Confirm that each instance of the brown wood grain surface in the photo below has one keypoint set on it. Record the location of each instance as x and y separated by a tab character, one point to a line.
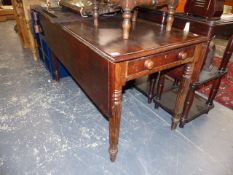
146	38
101	61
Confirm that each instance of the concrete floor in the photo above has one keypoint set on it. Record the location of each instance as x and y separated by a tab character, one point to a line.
49	128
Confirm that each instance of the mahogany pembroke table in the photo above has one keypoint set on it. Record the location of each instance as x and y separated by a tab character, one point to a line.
101	61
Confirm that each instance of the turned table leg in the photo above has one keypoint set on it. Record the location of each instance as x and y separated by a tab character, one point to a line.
114	125
182	92
116	72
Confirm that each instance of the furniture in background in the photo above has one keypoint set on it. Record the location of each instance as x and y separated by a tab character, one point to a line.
197	25
6	13
128	6
209	9
23	27
101	61
214	76
43	50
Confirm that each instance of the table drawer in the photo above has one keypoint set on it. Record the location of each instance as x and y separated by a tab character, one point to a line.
154	62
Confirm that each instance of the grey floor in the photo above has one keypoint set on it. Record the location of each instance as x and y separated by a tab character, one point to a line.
50	128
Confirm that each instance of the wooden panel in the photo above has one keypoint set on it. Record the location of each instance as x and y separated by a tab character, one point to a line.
88	68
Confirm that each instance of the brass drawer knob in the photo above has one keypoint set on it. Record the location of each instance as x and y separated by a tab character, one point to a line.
149	64
182	55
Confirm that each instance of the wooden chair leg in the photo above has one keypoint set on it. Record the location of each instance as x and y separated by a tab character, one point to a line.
160	87
187	105
213	91
152	81
114	125
127	15
135	15
170	18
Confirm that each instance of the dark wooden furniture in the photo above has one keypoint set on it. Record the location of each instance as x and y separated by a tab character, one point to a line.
209	9
101	61
213	76
199	26
97	7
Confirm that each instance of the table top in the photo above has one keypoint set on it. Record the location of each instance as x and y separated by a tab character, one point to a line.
146	38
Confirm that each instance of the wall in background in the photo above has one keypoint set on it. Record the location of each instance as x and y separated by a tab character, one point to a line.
229	2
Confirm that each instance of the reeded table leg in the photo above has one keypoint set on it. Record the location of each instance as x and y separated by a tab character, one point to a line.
114	125
183	89
116	72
